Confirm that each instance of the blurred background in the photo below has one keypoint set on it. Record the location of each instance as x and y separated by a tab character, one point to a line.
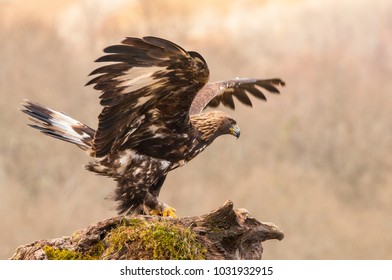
316	160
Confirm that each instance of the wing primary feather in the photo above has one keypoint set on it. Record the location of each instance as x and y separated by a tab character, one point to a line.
168	46
275	81
227	99
125	49
268	87
241	95
254	91
116	67
114	58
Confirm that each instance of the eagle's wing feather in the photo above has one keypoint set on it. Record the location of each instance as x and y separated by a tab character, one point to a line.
148	74
222	92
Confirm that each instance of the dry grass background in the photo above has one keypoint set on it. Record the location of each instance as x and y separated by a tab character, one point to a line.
316	160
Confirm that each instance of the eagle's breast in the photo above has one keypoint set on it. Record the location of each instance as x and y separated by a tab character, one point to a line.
130	163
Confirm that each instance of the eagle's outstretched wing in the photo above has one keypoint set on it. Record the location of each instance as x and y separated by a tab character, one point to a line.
216	93
148	74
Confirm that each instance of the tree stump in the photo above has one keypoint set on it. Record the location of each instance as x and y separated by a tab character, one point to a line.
222	234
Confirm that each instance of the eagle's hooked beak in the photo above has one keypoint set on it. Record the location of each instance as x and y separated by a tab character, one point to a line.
235	130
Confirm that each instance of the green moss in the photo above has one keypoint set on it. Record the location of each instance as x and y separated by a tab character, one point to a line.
138	239
62	254
97	250
94	253
160	240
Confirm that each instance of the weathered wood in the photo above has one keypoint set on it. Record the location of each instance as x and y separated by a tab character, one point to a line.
222	234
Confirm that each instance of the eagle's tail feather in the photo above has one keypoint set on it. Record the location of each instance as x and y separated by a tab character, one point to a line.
59	125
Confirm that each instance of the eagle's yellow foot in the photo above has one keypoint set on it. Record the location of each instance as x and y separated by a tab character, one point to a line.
155	213
167	212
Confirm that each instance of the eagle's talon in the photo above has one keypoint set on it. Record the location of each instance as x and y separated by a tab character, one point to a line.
166	212
155	213
169	212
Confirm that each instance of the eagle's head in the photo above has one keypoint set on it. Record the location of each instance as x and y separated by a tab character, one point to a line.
215	123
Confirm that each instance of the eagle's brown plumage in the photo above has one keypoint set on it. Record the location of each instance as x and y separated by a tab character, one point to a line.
153	96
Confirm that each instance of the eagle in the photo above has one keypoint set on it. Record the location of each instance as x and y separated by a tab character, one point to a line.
153	94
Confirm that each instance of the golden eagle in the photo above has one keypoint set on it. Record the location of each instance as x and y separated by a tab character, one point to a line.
153	96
